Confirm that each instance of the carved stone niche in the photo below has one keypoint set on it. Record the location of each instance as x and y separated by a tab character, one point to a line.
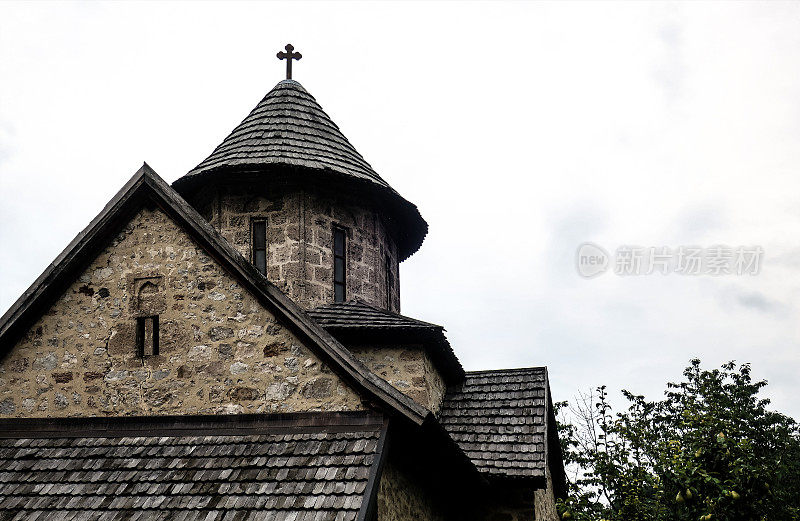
148	295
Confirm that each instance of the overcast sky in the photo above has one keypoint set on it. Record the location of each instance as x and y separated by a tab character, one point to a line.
520	130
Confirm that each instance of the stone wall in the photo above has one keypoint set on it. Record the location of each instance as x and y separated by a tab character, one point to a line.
511	503
514	503
401	499
220	350
546	502
300	227
408	368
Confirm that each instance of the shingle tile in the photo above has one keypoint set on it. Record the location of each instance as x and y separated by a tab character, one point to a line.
497	418
153	477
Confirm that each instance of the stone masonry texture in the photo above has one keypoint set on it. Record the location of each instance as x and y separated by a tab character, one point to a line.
407	368
401	499
300	225
221	351
546	502
512	504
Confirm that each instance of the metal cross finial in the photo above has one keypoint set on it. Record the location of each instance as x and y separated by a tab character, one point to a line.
289	55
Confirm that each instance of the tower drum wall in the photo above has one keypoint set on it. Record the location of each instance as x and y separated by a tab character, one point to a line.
300	224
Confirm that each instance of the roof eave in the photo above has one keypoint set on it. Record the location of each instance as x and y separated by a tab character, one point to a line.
410	229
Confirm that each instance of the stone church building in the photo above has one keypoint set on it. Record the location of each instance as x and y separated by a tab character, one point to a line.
231	348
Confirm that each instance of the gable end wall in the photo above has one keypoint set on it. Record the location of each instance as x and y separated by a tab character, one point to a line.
221	351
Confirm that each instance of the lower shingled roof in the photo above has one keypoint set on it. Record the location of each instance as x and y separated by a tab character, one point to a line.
355	321
358	314
499	419
306	473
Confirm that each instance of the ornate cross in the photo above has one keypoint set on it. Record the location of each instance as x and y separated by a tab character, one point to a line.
289	55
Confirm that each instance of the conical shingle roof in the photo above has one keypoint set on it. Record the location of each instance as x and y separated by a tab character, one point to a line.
289	128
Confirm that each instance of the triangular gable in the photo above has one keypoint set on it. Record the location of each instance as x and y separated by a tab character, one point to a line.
146	188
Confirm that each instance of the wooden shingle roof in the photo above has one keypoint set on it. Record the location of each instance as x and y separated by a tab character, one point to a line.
357	314
500	420
211	471
358	322
288	128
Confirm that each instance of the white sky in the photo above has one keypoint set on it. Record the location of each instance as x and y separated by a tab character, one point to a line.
520	130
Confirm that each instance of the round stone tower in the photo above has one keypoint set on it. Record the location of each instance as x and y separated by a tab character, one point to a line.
290	192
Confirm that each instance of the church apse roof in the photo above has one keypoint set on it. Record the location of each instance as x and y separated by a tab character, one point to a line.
288	128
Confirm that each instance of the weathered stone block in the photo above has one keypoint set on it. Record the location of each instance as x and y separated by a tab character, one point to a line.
242	394
238	368
48	362
19	365
7	407
62	378
220	333
92	375
275	348
319	388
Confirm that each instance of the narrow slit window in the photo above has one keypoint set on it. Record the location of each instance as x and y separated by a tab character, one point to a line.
260	246
339	263
147	336
389	281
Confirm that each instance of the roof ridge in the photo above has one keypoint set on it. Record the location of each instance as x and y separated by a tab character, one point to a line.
507	371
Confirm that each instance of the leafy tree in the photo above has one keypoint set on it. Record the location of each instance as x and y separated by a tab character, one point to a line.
709	450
